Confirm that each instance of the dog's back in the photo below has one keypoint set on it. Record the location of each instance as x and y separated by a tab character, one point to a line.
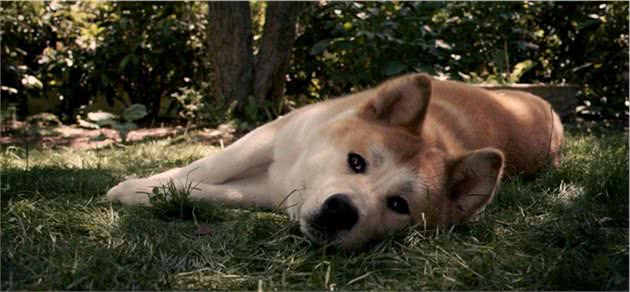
525	127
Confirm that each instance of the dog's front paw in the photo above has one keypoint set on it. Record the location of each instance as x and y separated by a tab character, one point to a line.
130	192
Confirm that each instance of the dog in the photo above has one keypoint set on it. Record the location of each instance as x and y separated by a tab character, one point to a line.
352	170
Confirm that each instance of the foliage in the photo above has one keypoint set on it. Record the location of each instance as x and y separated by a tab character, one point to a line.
43	120
345	46
76	53
194	108
96	120
566	229
151	62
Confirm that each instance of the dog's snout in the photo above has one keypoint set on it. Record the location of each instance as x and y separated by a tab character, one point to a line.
338	213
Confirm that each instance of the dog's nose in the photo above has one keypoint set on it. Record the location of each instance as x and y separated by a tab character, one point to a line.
337	213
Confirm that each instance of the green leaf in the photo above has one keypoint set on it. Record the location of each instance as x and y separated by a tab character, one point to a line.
123	129
320	46
135	112
368	34
102	118
600	263
10	90
31	82
442	44
394	67
128	126
520	69
124	61
104	79
87	124
588	23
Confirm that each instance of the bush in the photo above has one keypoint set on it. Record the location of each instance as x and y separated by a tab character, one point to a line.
346	46
74	53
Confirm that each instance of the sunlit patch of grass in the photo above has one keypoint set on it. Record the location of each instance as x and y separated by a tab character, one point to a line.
565	229
171	201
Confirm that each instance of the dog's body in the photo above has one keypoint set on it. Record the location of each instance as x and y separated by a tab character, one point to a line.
412	151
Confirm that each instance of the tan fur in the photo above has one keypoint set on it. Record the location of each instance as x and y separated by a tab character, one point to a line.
442	146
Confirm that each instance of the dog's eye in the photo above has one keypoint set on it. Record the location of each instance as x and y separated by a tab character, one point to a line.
398	205
356	162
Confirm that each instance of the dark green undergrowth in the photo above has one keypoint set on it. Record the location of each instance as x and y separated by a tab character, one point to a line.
566	229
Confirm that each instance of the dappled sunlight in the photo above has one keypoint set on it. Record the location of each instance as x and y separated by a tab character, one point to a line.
519	107
101	222
569	191
206	278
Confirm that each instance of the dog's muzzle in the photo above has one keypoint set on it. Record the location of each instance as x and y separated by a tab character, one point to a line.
336	215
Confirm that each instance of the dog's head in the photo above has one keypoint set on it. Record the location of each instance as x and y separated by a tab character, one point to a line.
371	173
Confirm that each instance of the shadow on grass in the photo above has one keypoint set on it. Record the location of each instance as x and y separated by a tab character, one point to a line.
584	240
230	250
51	182
575	217
586	230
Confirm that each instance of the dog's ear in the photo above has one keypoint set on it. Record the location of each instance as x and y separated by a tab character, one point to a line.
472	182
401	101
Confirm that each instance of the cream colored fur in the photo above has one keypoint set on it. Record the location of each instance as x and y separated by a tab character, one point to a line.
440	145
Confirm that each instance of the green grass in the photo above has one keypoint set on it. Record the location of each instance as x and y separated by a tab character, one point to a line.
565	229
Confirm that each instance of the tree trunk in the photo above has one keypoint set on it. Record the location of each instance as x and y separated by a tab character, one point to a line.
275	49
230	28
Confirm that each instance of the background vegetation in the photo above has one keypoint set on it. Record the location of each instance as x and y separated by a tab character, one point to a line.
78	56
566	229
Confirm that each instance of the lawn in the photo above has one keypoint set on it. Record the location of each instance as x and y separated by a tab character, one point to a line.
565	229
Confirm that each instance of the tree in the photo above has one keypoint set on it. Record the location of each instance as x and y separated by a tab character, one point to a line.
238	74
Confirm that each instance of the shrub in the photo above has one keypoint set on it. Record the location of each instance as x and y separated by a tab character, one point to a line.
345	46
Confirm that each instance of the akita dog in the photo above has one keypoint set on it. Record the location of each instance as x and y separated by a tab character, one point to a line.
414	150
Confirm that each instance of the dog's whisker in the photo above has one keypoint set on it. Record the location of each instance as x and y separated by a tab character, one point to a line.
284	200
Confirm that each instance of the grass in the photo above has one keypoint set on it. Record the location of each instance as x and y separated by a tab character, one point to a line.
566	229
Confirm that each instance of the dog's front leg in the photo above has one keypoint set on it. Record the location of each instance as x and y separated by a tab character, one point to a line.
251	151
247	157
251	191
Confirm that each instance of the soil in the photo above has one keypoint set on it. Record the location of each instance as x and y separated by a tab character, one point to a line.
55	136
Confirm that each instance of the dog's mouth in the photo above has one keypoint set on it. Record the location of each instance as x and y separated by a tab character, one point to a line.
336	217
314	234
318	235
340	241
